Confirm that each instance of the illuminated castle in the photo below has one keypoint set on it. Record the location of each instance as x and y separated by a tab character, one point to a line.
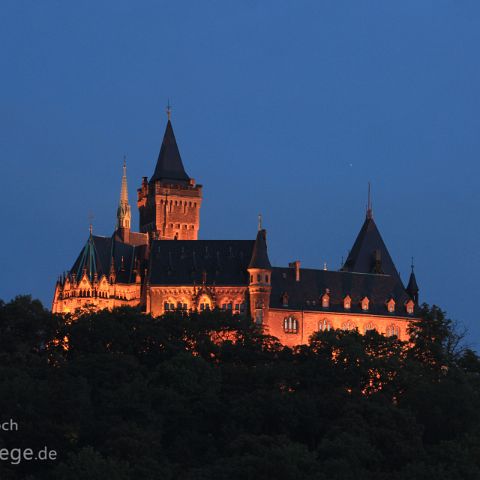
165	267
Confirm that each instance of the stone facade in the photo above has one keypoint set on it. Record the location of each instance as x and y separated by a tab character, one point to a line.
165	267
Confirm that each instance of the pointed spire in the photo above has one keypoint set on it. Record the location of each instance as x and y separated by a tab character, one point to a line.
124	189
124	213
369	204
259	221
412	287
169	166
260	255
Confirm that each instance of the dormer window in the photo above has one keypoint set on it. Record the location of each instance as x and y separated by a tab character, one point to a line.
410	305
285	299
391	305
347	303
365	303
326	300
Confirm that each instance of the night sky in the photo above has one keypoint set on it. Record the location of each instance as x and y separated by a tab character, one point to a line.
283	108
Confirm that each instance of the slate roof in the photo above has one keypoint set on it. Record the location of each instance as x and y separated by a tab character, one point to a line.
260	255
367	246
169	166
412	287
102	250
306	294
182	262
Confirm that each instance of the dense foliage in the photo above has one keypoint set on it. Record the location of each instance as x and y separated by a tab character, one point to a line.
120	395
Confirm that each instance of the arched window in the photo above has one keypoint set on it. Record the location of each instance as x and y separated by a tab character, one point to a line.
347	303
393	331
348	325
290	324
285	299
369	326
205	303
324	325
410	307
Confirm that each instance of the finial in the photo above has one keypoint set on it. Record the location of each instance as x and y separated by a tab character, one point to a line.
90	218
259	221
369	204
169	110
412	265
124	163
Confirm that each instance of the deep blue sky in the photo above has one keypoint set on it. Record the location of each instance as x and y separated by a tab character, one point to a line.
284	108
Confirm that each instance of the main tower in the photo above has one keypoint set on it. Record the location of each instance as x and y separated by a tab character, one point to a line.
169	203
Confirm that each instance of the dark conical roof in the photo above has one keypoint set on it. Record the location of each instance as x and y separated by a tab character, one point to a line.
260	255
88	260
412	287
169	164
369	253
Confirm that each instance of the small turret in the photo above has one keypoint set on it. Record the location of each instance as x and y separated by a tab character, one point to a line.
260	272
412	287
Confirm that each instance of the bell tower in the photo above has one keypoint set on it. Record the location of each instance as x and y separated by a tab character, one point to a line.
169	203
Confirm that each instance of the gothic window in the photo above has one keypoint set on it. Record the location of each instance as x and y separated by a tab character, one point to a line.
290	324
369	326
169	306
347	303
251	278
348	325
324	325
205	303
259	316
259	278
266	278
393	331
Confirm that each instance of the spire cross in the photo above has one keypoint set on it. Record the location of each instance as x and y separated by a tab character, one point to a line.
124	163
412	265
169	110
369	203
259	221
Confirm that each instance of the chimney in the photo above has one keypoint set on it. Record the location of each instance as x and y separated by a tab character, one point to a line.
296	266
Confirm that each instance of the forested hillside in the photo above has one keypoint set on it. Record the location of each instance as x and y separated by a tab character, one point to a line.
120	395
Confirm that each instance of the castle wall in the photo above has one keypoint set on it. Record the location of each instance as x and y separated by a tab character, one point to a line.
309	322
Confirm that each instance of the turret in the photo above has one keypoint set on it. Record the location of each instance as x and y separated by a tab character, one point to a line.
412	287
124	214
260	276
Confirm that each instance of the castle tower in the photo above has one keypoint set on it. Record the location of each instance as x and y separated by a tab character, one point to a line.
169	204
260	272
124	214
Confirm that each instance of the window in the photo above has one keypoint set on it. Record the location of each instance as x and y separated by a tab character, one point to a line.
347	303
410	307
369	326
266	278
169	306
348	325
259	316
325	300
259	278
324	325
393	331
365	303
391	305
251	278
285	299
290	324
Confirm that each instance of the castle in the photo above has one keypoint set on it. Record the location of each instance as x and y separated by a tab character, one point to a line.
164	267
